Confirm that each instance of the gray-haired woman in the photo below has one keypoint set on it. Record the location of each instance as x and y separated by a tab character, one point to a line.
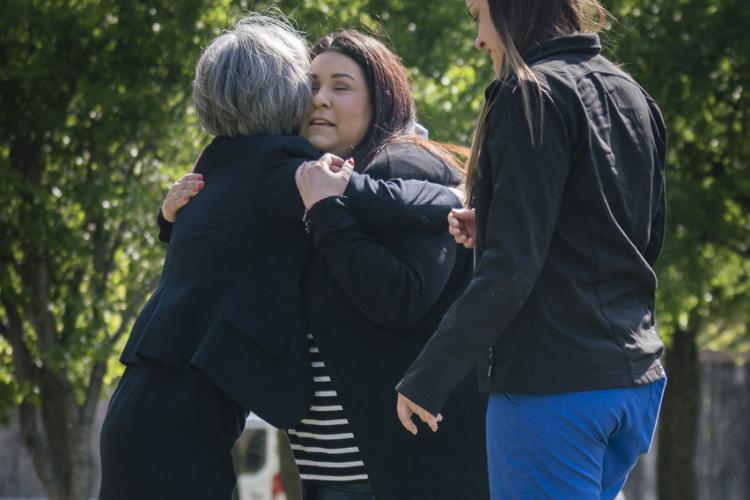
223	334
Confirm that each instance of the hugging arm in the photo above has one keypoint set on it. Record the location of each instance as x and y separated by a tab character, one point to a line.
377	204
400	203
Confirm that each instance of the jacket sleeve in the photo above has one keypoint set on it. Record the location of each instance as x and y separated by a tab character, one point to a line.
400	203
165	227
658	223
527	187
393	284
658	226
377	204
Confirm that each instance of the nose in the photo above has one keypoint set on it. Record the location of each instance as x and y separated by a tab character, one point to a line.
321	99
479	43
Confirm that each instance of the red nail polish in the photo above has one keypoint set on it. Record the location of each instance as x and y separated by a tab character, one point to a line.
187	199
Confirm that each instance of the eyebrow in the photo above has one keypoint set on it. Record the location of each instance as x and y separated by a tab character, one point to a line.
314	76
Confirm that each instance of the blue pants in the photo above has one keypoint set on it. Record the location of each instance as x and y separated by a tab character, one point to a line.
579	445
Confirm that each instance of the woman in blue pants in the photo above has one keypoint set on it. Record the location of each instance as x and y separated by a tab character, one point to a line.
566	211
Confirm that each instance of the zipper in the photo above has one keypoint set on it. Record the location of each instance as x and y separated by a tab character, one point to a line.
491	360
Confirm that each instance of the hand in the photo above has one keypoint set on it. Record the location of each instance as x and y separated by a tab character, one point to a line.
180	193
322	179
462	224
406	408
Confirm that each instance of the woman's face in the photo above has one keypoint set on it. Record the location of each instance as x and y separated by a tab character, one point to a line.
340	113
487	38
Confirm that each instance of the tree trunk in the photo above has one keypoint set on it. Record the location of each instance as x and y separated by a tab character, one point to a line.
81	473
77	483
678	422
59	441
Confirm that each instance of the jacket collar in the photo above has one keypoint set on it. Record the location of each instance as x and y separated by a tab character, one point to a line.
578	43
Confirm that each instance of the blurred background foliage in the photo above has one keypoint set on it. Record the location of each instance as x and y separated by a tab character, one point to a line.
96	122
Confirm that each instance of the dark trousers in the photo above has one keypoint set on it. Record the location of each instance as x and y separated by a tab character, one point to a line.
337	491
168	435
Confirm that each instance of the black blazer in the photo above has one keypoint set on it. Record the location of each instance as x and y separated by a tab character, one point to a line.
229	302
373	299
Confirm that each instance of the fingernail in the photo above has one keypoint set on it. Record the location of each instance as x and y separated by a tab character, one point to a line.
187	199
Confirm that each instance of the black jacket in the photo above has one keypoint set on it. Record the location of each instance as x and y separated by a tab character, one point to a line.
568	231
373	298
229	300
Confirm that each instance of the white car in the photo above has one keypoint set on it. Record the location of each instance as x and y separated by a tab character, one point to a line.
256	460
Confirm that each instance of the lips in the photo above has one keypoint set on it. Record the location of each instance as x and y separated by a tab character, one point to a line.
321	122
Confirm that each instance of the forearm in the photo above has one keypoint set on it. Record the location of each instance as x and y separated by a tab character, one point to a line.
399	203
470	326
393	284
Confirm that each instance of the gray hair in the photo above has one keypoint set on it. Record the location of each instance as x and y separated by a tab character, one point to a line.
253	79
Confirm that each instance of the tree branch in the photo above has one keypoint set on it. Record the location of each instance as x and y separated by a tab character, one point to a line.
35	443
24	367
72	306
46	333
93	393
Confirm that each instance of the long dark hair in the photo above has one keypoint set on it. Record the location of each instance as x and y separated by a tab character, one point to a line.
522	25
394	112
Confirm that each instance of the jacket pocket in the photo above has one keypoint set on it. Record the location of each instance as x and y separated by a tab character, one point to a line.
258	330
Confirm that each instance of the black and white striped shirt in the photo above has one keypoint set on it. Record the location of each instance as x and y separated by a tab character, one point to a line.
323	443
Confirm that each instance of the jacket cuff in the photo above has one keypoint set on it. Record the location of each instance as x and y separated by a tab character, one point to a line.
328	212
430	401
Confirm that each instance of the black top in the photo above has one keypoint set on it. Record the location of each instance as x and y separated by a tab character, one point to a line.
229	300
372	300
568	231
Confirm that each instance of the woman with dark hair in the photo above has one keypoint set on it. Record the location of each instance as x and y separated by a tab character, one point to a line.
373	298
566	177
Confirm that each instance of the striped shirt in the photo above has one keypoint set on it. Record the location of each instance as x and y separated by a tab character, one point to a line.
323	443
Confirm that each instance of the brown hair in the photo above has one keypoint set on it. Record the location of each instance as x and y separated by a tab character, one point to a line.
522	25
394	112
